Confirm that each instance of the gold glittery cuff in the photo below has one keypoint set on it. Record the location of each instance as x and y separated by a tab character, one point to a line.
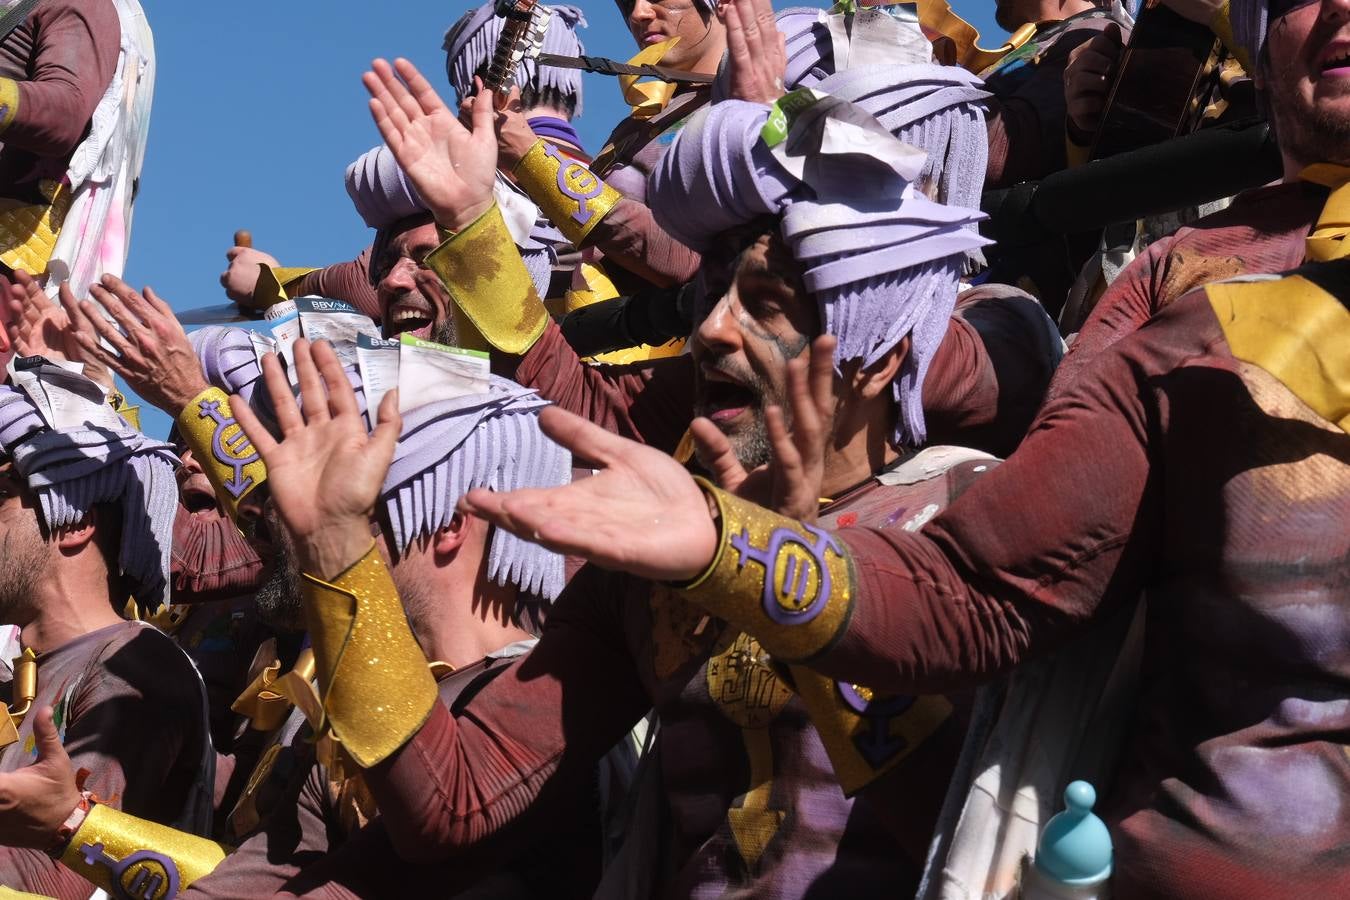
788	584
373	678
568	193
130	857
9	102
230	460
865	733
494	295
274	284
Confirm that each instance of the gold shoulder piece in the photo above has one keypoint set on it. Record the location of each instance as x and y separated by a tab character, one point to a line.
493	292
568	193
131	857
1297	332
373	678
25	691
936	17
788	584
230	460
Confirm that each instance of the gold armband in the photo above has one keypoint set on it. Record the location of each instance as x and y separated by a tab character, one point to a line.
1295	330
788	584
864	733
493	291
274	284
9	102
373	678
131	857
230	460
568	193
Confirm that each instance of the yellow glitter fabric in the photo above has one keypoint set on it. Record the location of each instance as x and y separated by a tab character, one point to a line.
555	184
483	272
131	857
373	679
809	597
209	428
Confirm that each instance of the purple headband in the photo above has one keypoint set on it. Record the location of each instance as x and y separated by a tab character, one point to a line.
470	43
881	259
73	470
490	440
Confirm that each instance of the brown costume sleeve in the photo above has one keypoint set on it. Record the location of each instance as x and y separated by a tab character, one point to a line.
630	237
75	48
349	281
651	402
1034	548
528	741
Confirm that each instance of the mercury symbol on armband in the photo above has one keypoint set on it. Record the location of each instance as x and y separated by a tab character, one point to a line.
796	577
576	182
143	875
234	452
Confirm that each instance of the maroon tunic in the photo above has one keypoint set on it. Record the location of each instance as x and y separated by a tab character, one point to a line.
349	281
1171	470
983	387
738	754
63	57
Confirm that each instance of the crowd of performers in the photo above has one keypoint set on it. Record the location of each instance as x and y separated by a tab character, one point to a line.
727	512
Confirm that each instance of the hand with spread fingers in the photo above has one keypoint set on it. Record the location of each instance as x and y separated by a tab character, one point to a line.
35	801
790	484
756	51
38	327
326	471
642	514
452	167
149	347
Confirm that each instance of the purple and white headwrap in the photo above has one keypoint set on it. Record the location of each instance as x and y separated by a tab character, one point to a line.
487	440
72	470
384	196
881	259
470	43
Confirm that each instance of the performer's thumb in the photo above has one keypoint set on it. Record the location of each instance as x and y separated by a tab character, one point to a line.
47	739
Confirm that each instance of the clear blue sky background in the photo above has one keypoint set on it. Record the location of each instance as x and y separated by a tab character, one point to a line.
259	108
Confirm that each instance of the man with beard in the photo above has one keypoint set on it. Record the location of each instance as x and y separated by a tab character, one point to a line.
1295	52
87	514
985	376
472	597
754	802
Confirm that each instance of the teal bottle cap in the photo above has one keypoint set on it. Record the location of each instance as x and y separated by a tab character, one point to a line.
1075	845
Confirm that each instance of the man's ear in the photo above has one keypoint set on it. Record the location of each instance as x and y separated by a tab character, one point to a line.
452	536
871	381
73	538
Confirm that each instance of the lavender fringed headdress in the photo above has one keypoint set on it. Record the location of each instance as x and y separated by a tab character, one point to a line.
73	470
881	259
383	196
470	43
488	440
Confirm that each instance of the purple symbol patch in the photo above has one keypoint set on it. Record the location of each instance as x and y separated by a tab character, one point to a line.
875	742
588	187
785	597
153	876
235	452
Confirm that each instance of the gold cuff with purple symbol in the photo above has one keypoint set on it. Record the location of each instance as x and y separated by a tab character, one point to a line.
494	295
788	584
567	192
231	462
374	682
9	102
131	857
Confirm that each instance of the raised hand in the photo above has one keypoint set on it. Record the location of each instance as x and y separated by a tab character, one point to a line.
36	800
151	351
38	327
452	167
326	472
756	51
642	514
790	483
240	277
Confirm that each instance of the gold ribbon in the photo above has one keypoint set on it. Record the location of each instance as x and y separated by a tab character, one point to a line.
1327	240
25	691
648	97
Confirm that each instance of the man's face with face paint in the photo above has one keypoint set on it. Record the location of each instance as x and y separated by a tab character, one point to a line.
702	36
1306	75
412	298
754	317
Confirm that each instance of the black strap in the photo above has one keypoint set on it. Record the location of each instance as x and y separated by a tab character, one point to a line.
17	15
602	66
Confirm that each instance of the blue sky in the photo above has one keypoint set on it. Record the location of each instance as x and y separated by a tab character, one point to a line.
259	108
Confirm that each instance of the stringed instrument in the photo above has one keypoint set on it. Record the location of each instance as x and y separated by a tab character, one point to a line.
522	36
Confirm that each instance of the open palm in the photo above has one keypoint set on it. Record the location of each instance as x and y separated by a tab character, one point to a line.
452	167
